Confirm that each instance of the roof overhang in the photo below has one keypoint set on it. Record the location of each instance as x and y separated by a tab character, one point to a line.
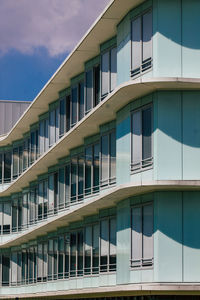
103	29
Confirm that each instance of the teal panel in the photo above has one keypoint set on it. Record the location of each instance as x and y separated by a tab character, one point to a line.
123	50
167	38
123	241
168	237
191	237
190	38
123	154
191	135
167	143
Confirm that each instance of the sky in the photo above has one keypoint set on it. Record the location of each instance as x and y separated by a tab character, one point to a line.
35	37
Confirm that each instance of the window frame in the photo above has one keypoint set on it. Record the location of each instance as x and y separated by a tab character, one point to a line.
140	70
108	50
142	265
141	167
109	181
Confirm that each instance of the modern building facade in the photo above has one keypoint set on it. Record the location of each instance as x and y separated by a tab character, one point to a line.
100	176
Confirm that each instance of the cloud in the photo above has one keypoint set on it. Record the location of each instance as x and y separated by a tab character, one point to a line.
57	25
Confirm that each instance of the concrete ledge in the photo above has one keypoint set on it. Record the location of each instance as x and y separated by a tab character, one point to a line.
112	291
89	125
90	206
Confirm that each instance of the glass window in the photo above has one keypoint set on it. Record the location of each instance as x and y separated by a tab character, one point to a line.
81	100
20	160
74	108
68	100
108	71
104	245
105	73
61	188
52	124
73	258
147	39
62	116
146	136
89	91
14	268
80	253
41	137
96	71
136	45
96	168
80	177
40	262
73	179
113	68
88	170
50	259
15	162
142	235
46	135
141	43
104	159
60	257
88	250
32	205
5	269
33	146
112	256
67	255
7	166
25	154
67	185
108	159
142	138
6	218
95	248
51	194
14	215
25	202
112	157
57	124
40	201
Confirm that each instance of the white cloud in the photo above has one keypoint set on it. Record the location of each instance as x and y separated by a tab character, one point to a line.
56	25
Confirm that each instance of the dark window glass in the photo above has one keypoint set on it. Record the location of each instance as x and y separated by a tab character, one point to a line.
67	185
20	160
7	166
80	253
5	269
81	100
62	116
96	169
61	188
105	73
96	85
15	162
89	88
73	260
88	170
68	113
74	107
146	136
73	179
80	177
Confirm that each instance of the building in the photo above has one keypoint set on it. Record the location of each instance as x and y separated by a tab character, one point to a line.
100	176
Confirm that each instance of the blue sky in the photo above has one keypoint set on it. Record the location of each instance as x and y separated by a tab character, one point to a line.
35	38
